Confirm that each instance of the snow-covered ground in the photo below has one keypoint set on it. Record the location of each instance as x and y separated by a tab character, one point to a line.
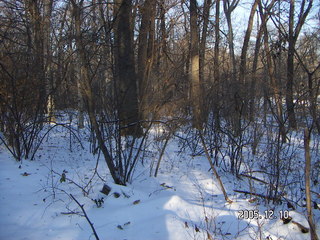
183	202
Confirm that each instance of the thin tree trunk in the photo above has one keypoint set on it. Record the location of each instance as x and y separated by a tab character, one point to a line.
228	9
236	94
274	85
245	44
243	58
307	134
312	91
47	8
254	73
292	39
216	71
290	69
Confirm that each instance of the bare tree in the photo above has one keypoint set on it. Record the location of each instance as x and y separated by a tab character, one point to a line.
86	91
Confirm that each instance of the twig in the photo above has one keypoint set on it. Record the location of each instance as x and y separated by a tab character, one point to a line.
254	194
253	178
86	193
86	216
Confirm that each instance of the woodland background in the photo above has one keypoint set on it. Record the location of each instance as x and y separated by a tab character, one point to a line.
234	76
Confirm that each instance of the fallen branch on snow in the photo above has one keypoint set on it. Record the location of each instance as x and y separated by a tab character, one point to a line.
86	216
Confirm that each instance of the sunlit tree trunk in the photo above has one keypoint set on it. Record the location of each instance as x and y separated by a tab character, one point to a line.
194	66
49	82
202	54
307	172
145	55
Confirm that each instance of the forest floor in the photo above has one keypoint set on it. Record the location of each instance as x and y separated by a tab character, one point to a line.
183	202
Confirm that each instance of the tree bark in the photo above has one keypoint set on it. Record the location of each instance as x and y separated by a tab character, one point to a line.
245	45
204	33
216	71
307	171
145	54
47	9
202	54
254	72
38	71
194	66
126	79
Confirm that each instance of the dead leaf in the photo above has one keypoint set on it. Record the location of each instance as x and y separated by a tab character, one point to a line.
252	200
25	174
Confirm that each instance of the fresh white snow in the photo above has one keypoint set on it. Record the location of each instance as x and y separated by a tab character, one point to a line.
183	202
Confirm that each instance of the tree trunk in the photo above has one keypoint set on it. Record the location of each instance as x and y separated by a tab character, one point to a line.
254	73
313	233
202	54
216	71
47	8
290	70
292	39
145	54
236	94
126	80
194	66
38	71
245	44
274	86
243	58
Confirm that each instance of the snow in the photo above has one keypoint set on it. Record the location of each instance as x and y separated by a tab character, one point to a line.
183	202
